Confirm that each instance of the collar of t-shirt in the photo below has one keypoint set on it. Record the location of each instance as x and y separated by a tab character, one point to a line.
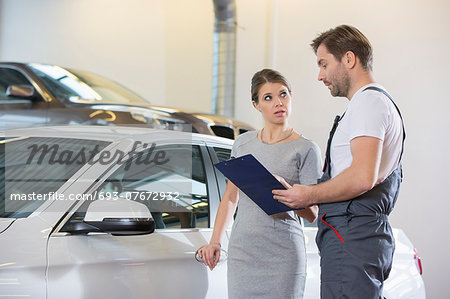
364	87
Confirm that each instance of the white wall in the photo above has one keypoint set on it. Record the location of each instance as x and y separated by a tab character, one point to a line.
188	48
152	47
162	50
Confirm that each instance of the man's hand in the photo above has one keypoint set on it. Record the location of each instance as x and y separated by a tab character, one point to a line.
299	196
360	177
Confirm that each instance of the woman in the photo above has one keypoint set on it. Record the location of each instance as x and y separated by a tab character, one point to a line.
266	254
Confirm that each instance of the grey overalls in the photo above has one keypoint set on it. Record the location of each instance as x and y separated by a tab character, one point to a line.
354	237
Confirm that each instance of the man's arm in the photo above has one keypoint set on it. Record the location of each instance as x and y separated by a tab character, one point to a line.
360	177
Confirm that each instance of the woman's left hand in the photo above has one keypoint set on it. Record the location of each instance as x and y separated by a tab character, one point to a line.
282	181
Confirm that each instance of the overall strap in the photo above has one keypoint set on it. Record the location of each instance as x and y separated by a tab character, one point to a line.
398	110
327	165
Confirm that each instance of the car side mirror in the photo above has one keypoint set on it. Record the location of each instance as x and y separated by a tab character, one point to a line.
20	91
117	217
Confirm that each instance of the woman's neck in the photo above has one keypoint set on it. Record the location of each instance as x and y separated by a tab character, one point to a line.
273	132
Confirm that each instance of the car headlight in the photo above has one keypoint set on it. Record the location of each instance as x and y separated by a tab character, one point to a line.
157	121
176	125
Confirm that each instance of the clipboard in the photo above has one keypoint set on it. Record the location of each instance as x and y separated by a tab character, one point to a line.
252	178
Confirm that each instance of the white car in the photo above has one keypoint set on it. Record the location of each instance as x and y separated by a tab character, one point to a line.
119	212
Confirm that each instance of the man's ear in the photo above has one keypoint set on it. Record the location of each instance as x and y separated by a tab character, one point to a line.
349	59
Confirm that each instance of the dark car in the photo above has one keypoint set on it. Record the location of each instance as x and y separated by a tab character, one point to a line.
41	94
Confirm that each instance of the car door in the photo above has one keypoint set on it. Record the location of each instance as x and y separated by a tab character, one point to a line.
157	265
26	183
19	111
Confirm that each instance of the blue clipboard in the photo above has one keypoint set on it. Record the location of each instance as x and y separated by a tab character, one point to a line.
252	178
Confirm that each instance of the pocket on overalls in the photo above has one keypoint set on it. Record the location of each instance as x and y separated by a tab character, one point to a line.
332	226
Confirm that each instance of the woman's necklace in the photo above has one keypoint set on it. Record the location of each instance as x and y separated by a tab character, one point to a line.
284	138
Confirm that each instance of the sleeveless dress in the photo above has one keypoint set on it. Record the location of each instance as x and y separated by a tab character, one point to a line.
266	254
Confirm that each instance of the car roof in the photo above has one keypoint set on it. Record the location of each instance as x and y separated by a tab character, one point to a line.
110	133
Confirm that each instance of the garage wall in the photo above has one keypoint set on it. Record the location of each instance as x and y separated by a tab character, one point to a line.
188	33
162	50
149	46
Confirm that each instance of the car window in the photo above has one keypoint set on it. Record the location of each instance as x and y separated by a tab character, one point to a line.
223	154
75	85
175	191
33	169
9	77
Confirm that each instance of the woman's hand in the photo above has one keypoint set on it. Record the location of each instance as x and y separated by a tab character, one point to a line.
282	181
210	254
309	213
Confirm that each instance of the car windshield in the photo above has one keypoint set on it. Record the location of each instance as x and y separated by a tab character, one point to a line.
81	86
33	168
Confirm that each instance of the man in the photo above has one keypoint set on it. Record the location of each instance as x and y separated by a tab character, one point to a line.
362	172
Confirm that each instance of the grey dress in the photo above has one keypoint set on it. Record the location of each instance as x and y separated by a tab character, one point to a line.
266	254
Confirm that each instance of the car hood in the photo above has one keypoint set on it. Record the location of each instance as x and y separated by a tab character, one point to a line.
128	108
186	115
207	117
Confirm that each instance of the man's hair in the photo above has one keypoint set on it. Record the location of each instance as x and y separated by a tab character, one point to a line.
342	39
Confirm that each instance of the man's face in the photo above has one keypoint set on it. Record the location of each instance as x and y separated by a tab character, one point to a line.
332	72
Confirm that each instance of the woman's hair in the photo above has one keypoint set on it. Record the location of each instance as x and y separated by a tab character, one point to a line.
264	76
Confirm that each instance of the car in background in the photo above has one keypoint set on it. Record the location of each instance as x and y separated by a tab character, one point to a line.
119	212
42	94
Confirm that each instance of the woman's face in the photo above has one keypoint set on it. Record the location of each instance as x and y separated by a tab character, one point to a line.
274	102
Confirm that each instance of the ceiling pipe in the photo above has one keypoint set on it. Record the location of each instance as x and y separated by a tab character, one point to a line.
224	57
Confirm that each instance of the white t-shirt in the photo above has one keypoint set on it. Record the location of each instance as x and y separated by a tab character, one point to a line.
369	113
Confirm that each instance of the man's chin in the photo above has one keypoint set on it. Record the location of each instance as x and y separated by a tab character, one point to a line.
337	94
334	93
